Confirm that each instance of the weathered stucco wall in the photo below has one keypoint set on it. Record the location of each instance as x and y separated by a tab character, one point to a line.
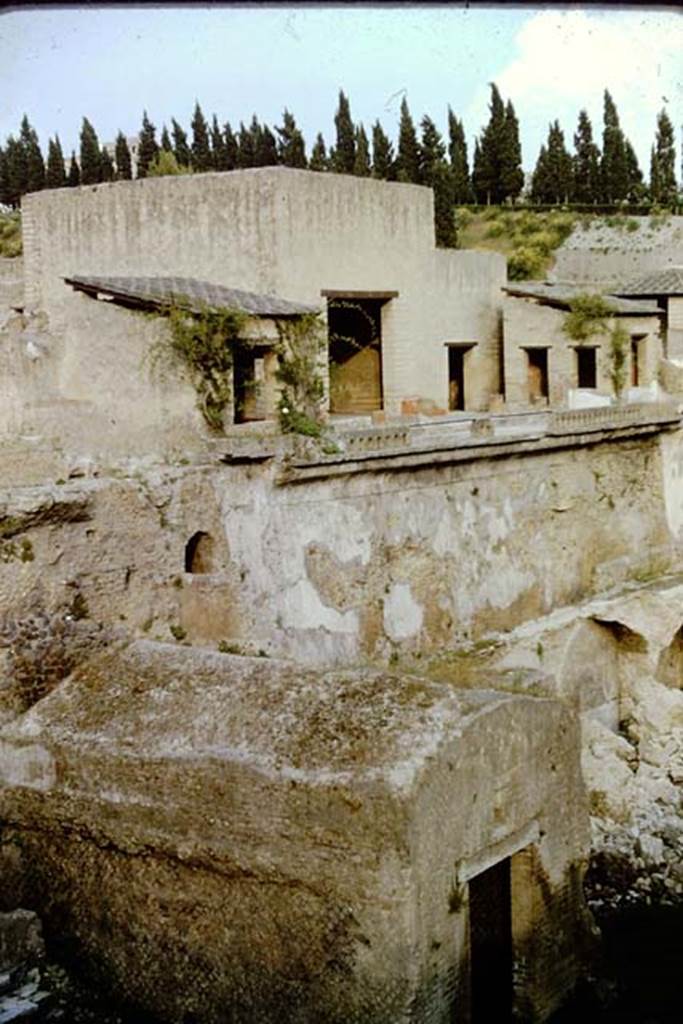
298	845
274	230
529	324
361	566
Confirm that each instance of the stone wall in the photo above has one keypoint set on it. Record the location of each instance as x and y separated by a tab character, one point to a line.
613	256
529	324
271	230
300	846
367	565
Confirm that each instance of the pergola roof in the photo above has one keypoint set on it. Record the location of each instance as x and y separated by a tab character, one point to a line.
561	296
187	292
668	281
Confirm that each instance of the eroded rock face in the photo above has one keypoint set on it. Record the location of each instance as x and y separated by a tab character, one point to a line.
299	844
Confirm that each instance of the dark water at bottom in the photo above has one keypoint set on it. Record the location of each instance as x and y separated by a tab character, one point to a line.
642	966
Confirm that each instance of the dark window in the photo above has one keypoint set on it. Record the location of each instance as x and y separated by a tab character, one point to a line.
199	553
586	368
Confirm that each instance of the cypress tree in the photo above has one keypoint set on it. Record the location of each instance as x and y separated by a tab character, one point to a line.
383	164
201	149
245	150
55	174
124	164
614	171
16	172
231	147
147	146
4	179
408	158
552	178
74	177
318	161
663	185
181	150
585	164
107	169
361	164
266	148
218	153
457	153
490	155
90	163
511	175
435	173
35	165
345	150
166	140
635	189
291	146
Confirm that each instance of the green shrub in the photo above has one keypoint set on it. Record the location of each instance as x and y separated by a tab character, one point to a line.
200	345
165	163
496	230
526	262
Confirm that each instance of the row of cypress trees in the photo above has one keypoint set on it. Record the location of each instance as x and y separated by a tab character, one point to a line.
420	156
611	176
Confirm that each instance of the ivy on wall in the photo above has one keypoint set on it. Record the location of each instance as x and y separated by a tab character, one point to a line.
590	314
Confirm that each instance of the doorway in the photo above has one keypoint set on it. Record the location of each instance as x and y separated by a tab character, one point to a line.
355	352
537	374
586	367
490	914
248	384
636	362
457	397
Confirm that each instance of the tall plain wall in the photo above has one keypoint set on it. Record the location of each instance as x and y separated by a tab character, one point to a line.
281	231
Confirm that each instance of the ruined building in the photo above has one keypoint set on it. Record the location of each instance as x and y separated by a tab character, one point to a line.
303	733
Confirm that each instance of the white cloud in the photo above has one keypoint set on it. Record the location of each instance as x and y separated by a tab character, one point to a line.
566	59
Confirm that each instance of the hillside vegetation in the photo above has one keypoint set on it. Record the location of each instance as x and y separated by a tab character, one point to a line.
10	234
528	238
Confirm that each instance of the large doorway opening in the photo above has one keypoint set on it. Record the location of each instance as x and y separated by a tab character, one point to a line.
537	374
355	352
490	914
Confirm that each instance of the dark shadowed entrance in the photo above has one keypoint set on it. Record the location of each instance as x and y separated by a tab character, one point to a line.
491	945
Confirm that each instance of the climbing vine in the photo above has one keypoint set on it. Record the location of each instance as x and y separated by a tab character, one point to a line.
590	315
200	345
301	344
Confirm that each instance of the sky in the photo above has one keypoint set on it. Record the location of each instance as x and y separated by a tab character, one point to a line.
60	63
